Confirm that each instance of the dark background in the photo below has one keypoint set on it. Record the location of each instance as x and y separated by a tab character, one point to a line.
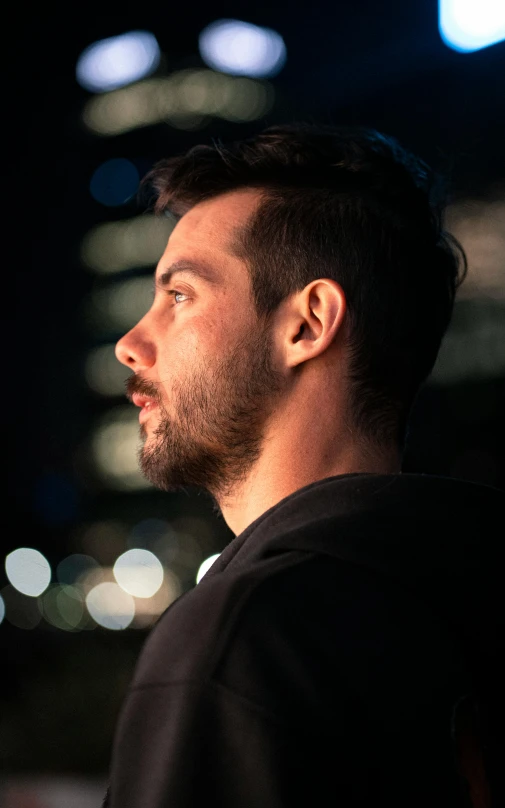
379	64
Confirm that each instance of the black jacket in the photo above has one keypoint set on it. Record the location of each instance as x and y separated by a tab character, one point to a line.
320	660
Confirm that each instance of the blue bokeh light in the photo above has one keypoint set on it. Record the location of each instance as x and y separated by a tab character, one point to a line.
114	182
470	25
117	61
242	49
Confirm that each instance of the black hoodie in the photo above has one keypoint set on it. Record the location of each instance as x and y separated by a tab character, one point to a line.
324	657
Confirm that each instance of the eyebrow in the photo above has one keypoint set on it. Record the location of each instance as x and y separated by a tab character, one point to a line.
194	268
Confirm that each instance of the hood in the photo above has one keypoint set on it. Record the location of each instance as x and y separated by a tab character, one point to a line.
441	537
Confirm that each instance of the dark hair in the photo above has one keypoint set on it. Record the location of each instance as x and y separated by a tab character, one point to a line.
346	203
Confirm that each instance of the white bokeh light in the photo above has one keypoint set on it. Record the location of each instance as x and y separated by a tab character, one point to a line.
28	571
110	606
2	609
242	49
118	60
139	573
205	566
469	25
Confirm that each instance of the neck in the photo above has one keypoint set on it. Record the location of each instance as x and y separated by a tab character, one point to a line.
295	456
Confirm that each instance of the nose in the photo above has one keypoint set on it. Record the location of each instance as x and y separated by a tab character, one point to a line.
136	351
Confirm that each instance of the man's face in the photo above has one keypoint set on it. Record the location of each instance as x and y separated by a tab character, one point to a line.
203	370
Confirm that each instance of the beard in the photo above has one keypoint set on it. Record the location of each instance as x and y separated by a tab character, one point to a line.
216	433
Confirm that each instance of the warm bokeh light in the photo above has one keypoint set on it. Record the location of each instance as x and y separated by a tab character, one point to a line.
117	60
114	182
28	571
129	244
110	606
242	48
148	610
104	373
470	25
114	446
205	566
119	306
187	99
139	573
104	539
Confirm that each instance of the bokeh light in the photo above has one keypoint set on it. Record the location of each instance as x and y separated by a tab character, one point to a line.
114	182
110	606
129	244
156	535
21	611
63	607
119	306
205	566
72	568
28	571
242	49
104	373
114	447
148	610
188	99
479	225
469	25
2	608
139	573
117	60
104	540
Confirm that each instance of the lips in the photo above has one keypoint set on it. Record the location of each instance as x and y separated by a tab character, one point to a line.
147	405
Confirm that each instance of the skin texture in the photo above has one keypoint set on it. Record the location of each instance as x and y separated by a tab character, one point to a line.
248	410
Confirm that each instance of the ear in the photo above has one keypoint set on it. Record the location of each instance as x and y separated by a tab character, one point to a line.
314	320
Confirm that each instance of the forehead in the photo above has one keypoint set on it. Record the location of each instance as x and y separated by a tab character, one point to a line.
208	229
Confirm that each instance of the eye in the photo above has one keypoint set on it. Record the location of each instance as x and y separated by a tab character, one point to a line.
175	294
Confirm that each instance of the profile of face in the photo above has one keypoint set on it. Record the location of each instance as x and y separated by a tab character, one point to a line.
203	362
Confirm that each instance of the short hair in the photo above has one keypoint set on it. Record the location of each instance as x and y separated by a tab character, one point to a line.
350	204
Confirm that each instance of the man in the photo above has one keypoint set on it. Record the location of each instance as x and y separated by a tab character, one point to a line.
329	655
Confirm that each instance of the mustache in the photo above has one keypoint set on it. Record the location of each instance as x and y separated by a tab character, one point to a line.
134	384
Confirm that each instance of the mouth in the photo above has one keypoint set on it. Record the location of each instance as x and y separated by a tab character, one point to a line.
147	406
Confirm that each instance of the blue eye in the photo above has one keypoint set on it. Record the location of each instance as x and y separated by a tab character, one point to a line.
174	294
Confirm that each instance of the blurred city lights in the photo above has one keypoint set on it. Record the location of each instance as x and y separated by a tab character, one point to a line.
117	61
63	607
186	100
470	25
114	449
205	566
114	182
147	610
21	611
472	348
119	306
103	540
28	571
104	373
110	606
479	225
74	566
139	573
242	49
129	244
